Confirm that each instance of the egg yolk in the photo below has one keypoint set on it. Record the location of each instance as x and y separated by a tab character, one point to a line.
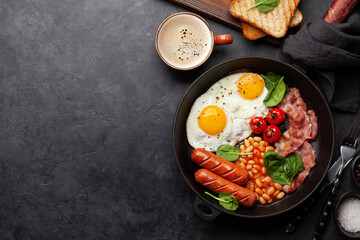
250	85
212	120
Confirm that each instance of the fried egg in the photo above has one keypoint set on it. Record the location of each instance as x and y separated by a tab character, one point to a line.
221	115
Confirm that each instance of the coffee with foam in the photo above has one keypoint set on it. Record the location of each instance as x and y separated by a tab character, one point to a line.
184	41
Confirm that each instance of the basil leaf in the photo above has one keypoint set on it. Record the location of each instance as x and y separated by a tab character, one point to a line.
265	5
226	200
276	94
282	170
293	165
270	79
229	152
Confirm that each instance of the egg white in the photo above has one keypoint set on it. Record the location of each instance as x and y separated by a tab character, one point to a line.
238	110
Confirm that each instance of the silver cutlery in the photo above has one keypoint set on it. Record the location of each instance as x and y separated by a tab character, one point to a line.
331	174
304	209
347	150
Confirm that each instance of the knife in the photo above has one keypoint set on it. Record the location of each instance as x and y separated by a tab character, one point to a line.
329	180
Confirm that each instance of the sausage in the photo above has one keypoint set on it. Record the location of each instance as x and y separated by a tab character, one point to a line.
339	10
218	184
220	166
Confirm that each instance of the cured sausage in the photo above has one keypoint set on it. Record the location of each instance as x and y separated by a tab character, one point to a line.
220	166
218	184
339	10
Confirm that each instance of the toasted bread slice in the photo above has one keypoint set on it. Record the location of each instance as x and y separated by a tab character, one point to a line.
274	22
253	33
250	32
296	19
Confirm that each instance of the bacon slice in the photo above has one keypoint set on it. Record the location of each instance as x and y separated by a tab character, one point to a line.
314	124
303	126
302	123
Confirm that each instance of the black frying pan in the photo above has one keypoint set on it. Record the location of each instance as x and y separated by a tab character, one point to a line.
323	145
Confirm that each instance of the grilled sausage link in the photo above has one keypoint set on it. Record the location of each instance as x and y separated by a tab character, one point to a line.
220	166
218	184
339	10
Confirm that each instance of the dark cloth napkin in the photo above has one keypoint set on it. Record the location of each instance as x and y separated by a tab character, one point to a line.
333	52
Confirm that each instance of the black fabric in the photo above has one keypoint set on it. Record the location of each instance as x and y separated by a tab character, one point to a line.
333	50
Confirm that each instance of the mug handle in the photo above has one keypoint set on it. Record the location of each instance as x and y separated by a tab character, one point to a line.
223	39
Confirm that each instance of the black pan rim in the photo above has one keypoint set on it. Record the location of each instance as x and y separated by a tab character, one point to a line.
218	208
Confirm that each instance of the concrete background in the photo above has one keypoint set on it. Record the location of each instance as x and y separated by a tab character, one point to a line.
86	114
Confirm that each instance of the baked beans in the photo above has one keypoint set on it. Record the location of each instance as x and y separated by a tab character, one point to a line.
266	190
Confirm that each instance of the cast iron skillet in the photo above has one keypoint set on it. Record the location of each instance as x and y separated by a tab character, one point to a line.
323	145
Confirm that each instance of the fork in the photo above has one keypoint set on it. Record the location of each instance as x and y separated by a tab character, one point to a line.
347	150
335	166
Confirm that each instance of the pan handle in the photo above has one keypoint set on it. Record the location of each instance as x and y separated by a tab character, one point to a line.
205	211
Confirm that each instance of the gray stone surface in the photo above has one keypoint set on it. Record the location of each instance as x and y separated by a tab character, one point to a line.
87	109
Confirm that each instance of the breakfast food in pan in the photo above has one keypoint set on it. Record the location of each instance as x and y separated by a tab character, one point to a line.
266	189
302	129
220	166
251	133
218	184
222	114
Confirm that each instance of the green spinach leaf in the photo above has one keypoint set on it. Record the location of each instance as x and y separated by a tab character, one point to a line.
227	201
282	170
274	164
270	79
265	5
229	152
275	94
268	95
280	176
269	5
293	165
